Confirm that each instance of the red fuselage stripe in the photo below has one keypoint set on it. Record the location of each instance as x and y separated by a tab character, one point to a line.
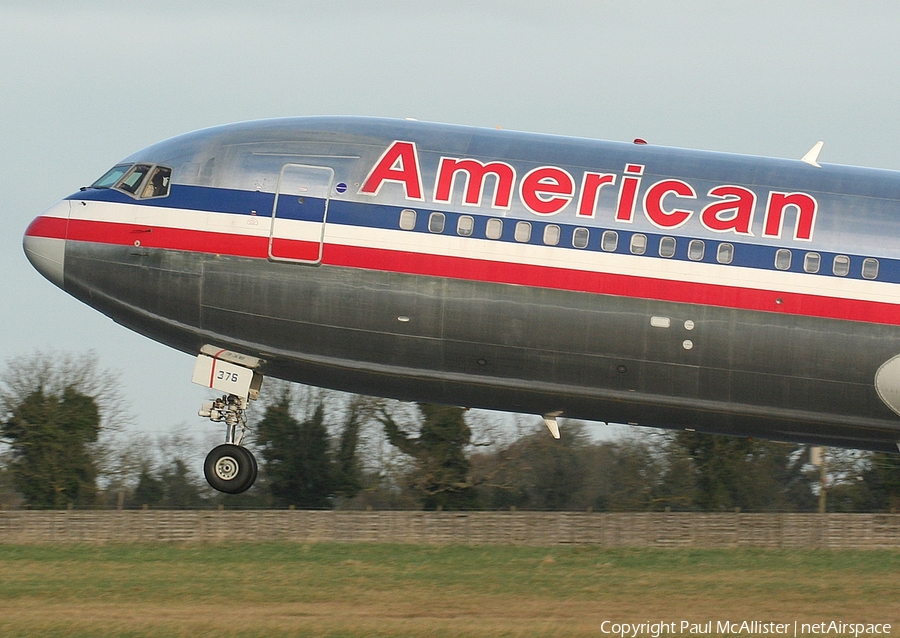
612	284
52	227
479	270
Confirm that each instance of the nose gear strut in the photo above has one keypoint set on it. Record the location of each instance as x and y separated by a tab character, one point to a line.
229	409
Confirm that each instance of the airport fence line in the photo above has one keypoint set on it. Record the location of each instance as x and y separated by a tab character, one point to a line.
829	531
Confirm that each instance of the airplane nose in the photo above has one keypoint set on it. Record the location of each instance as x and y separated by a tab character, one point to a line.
47	255
45	244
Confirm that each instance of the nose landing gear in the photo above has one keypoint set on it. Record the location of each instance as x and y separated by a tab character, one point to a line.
230	467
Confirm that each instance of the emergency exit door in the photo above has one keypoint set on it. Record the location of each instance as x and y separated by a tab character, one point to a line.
299	212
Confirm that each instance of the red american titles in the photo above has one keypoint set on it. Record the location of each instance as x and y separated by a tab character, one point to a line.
548	190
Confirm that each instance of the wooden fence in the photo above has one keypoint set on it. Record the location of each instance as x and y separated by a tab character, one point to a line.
832	531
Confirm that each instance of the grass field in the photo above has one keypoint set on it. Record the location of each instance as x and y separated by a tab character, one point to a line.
408	590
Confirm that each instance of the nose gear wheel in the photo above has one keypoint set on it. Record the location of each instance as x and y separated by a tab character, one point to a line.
230	468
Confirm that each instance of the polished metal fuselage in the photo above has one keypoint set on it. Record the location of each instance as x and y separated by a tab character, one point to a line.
734	353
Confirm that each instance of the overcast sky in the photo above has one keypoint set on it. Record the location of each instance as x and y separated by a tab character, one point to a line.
83	85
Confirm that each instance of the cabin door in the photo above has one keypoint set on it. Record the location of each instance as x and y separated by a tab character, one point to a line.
298	216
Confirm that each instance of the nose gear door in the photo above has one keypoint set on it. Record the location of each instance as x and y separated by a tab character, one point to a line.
298	216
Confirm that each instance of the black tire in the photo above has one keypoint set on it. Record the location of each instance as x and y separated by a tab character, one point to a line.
255	467
230	468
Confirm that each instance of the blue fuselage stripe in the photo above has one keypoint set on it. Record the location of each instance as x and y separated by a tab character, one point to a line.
373	215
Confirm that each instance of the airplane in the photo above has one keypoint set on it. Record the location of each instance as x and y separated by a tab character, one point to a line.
608	281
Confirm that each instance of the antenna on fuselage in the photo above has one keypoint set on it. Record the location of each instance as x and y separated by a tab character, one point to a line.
552	425
813	154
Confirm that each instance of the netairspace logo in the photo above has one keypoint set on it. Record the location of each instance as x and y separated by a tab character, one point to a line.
745	627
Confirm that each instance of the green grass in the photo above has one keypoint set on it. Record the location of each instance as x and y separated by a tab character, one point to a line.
407	590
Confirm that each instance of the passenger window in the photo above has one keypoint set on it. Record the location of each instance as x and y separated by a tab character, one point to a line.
407	219
725	253
638	244
158	184
841	265
812	262
436	222
523	231
494	228
465	226
609	241
551	234
132	180
696	249
667	247
782	259
580	238
870	268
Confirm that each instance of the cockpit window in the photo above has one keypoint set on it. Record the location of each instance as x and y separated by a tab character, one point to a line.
140	180
111	176
158	184
133	179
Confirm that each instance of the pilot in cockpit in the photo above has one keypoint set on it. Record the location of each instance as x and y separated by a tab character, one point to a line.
158	184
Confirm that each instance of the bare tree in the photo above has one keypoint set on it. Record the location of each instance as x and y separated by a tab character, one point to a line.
53	410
